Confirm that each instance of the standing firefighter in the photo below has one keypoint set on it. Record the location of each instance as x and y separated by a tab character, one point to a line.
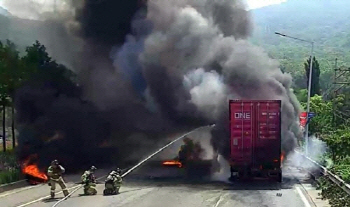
55	172
89	181
189	151
113	182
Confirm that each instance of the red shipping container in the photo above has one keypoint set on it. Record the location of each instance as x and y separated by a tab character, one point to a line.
255	130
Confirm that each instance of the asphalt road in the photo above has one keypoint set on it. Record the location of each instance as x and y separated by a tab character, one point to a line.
155	185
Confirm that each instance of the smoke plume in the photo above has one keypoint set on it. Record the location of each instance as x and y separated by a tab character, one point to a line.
151	66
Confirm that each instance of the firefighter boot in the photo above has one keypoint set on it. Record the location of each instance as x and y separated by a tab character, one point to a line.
52	195
66	193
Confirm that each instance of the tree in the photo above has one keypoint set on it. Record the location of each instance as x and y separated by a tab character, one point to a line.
315	87
41	69
322	122
339	143
9	60
301	95
13	79
36	69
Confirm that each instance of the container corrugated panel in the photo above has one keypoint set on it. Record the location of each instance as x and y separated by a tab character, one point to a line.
255	130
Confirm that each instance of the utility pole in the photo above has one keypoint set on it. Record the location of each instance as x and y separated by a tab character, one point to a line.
340	80
309	86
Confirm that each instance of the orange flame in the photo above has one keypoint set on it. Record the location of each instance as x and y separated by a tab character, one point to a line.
172	163
33	171
282	158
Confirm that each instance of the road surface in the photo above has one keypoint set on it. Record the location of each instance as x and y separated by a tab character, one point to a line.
155	185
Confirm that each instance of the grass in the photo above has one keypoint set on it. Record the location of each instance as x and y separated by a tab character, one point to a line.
9	176
8	145
9	167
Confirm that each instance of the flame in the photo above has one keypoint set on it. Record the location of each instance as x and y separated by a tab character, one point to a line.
282	158
33	172
172	163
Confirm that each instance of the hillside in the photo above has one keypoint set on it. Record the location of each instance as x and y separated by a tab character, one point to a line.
324	21
51	33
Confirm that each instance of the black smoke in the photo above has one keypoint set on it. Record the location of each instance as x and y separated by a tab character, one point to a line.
146	69
107	21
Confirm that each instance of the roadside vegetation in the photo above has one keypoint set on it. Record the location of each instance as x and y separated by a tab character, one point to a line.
332	126
31	68
9	167
330	102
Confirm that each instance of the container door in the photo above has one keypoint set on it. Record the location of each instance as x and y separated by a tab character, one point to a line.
241	123
268	140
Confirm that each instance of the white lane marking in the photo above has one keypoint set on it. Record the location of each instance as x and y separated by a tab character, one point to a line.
219	201
306	203
42	198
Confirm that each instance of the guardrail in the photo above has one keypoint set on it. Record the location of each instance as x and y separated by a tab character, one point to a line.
334	178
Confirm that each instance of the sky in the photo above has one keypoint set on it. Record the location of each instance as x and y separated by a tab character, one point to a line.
252	4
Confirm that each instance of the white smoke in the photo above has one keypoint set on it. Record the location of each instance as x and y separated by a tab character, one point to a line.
316	151
207	90
224	170
38	9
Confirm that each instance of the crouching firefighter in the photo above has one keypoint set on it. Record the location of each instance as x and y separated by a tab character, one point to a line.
54	173
113	182
89	181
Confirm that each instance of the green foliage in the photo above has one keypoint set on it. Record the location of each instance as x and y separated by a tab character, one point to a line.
321	21
338	143
43	71
322	122
315	86
37	70
301	95
9	168
336	196
9	64
11	175
332	126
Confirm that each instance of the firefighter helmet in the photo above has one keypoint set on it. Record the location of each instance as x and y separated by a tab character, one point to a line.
54	162
118	170
93	168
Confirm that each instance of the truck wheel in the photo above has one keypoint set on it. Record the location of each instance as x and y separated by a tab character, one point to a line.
279	177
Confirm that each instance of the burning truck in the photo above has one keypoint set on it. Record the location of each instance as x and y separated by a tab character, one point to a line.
189	151
255	139
189	158
255	143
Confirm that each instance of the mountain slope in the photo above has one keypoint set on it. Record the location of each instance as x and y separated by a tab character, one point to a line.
324	21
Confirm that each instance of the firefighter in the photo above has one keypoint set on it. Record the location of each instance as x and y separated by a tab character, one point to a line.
89	181
186	150
113	182
55	172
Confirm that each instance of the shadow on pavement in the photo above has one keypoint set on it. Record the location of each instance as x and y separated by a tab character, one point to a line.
49	200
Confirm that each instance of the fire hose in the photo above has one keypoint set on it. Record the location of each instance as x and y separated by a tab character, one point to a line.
138	164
